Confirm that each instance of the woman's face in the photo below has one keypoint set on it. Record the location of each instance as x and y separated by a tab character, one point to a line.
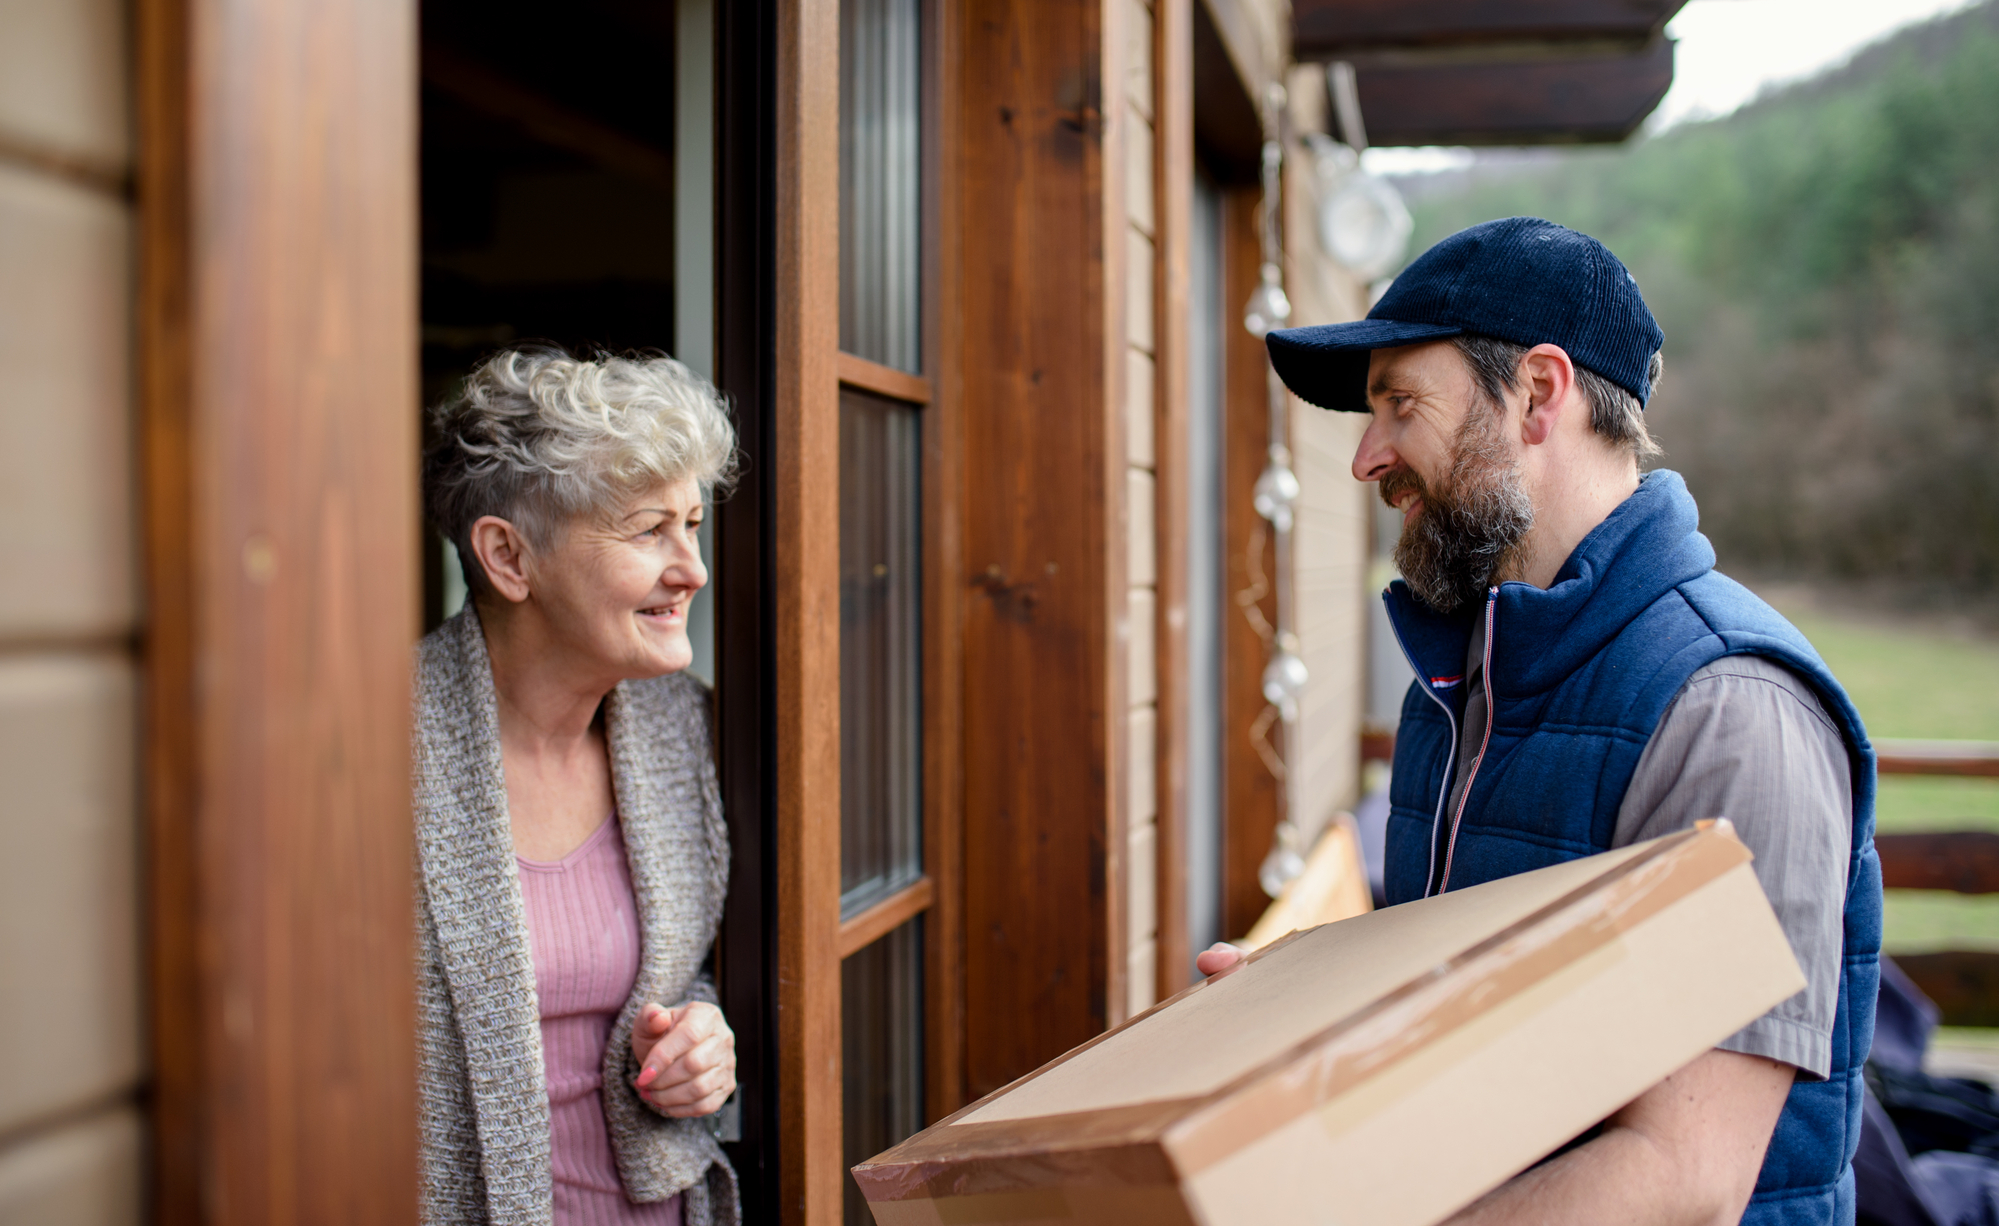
616	587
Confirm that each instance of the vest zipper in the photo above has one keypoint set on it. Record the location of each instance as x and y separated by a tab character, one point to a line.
1485	739
1450	759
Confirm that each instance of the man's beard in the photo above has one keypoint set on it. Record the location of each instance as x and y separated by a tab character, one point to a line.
1470	526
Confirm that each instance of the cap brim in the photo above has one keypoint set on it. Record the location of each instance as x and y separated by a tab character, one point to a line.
1326	365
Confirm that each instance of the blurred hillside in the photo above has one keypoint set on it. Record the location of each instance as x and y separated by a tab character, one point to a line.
1825	263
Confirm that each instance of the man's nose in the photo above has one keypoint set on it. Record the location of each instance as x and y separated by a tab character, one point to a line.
1374	457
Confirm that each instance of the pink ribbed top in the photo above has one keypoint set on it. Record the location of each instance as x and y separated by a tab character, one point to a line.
583	925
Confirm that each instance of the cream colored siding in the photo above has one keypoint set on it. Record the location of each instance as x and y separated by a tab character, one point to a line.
1329	537
71	1015
65	409
1141	544
80	1173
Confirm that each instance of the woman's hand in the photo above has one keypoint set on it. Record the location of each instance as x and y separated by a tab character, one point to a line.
687	1058
1217	958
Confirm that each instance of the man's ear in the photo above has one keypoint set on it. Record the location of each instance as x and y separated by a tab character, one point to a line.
503	552
1549	376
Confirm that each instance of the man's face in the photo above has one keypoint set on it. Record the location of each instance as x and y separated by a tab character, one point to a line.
1443	456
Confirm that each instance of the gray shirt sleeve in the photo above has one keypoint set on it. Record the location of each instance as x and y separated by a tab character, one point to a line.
1746	739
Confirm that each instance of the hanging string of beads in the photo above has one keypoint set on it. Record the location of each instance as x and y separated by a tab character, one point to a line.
1276	491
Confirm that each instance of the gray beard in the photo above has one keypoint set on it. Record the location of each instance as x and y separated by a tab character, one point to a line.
1469	529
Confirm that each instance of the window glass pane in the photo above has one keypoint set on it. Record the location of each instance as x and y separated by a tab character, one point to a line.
881	247
881	1026
881	656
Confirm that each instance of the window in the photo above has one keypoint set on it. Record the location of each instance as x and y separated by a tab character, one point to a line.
881	657
885	885
881	196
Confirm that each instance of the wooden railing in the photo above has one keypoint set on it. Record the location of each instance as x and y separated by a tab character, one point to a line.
1964	983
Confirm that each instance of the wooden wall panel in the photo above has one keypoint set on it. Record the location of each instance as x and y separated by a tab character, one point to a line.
279	444
1251	797
1041	445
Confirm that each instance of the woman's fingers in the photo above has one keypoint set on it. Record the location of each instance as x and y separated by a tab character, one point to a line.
716	1051
653	1024
695	1024
707	1106
1217	958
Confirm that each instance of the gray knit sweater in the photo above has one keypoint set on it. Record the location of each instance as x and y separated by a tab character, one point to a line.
485	1120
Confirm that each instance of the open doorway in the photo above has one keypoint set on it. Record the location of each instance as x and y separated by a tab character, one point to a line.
567	196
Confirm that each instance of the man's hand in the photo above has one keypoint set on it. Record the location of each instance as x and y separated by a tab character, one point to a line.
1218	957
687	1058
1684	1153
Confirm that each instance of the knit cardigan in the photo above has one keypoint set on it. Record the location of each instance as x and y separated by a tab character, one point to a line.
484	1096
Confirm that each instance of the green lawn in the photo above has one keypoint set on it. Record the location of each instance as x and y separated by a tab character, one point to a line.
1929	686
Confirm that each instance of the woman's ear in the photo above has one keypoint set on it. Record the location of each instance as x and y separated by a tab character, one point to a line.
503	553
1550	376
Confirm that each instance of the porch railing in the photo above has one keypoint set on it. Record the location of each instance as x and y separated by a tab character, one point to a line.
1964	983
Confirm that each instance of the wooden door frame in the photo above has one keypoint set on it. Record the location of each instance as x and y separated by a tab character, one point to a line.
278	367
804	464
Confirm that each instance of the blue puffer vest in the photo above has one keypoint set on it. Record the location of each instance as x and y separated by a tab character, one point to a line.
1578	677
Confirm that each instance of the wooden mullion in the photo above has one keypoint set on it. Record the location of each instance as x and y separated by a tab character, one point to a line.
1173	170
805	541
868	376
944	568
884	917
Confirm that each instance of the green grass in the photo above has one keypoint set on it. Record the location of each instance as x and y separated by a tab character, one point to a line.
1911	684
1920	684
1917	921
1917	802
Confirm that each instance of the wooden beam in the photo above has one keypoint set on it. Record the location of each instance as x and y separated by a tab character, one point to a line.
548	121
1977	759
1963	983
1594	97
805	556
1965	861
278	341
1337	29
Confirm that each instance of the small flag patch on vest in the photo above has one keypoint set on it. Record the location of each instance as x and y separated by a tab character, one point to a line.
1445	683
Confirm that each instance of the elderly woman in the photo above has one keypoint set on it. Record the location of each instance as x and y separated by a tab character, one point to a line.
569	829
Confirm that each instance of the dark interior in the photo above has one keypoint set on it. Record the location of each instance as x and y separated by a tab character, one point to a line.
547	186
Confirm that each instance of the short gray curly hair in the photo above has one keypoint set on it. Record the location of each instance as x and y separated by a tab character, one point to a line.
539	438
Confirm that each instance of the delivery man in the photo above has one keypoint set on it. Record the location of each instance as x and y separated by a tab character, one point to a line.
1585	679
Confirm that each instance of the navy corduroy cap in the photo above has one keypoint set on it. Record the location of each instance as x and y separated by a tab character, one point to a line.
1520	279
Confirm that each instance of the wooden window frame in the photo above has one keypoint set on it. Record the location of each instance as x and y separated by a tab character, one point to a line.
778	693
936	894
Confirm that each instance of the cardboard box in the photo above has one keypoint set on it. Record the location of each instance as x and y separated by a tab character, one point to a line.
1385	1070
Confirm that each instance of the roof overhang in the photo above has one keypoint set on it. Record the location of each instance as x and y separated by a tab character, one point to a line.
1494	72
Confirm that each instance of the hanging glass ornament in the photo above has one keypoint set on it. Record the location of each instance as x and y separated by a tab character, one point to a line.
1268	308
1285	863
1284	679
1276	489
